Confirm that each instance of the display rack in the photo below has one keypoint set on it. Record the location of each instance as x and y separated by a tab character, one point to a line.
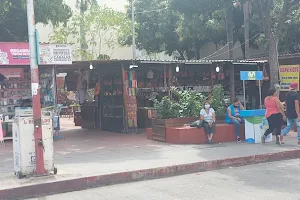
131	101
112	103
12	92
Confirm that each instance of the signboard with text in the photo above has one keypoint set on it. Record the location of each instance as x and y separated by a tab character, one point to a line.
288	74
251	75
50	54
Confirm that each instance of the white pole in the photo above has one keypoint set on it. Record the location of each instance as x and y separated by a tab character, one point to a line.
54	86
133	30
260	103
244	89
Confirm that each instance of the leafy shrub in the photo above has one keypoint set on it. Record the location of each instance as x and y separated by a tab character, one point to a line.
186	103
166	109
217	100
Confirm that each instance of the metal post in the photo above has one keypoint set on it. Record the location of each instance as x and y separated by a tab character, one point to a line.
36	102
133	30
55	99
259	87
246	28
244	90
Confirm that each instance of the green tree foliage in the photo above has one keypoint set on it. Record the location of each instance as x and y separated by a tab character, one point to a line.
13	17
103	28
274	16
183	27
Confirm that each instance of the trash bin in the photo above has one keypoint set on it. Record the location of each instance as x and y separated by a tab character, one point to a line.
255	125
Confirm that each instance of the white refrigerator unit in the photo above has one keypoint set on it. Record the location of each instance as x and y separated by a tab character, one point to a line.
24	145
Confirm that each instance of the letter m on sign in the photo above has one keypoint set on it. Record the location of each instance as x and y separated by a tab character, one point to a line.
251	75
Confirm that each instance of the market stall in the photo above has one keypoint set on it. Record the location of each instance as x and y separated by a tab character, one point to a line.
128	88
15	77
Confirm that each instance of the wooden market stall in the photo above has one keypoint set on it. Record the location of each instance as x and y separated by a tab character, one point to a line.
125	100
15	83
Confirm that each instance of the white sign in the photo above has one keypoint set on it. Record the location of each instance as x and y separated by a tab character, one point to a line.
55	54
34	88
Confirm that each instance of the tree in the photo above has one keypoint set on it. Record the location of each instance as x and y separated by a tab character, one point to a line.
162	27
272	15
102	27
13	17
83	6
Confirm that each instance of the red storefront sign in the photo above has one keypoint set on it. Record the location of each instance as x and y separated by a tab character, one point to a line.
50	54
14	54
12	72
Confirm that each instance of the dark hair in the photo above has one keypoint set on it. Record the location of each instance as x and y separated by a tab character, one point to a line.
206	102
271	91
235	100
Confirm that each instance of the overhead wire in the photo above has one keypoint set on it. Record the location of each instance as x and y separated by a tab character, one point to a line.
148	11
233	48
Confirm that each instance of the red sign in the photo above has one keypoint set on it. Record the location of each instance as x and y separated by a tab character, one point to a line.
50	54
12	72
14	54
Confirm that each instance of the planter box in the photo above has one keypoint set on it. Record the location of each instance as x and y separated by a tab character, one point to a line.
159	126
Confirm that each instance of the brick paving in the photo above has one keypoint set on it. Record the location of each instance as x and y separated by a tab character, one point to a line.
93	152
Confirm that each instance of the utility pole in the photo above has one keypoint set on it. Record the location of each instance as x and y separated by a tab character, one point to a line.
246	8
229	30
83	44
36	102
133	30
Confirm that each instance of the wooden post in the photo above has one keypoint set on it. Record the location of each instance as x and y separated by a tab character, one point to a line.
165	76
125	100
170	79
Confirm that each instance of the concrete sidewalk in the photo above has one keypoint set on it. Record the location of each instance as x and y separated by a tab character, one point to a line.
91	158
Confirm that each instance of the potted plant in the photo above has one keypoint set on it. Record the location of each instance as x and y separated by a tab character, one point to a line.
184	107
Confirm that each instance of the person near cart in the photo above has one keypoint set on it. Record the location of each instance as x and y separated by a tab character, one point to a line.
208	117
233	117
274	114
292	111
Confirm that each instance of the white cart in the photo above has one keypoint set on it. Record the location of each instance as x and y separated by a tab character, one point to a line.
24	145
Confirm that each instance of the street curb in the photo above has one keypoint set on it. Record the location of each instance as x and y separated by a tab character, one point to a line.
64	186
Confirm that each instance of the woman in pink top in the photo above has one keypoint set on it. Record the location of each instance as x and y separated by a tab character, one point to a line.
274	114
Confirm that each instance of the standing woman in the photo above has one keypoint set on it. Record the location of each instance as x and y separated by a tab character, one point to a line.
274	114
208	116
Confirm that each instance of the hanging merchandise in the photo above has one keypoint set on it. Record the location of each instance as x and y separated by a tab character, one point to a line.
150	74
213	76
221	75
82	87
265	74
130	89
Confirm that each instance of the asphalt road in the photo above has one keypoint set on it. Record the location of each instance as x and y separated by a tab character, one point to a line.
271	181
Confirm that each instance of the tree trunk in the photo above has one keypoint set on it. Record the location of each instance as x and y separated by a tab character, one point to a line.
273	60
273	38
246	29
229	30
198	56
83	44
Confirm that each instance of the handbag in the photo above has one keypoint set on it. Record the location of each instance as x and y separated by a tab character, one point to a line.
197	124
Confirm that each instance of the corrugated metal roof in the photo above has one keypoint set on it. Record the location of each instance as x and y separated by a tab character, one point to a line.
281	56
153	61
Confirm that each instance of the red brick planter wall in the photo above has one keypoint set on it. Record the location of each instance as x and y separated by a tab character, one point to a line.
189	135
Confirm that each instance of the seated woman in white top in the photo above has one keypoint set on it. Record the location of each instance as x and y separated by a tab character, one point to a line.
208	116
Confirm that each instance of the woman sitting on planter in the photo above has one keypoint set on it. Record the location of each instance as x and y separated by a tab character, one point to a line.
207	115
233	117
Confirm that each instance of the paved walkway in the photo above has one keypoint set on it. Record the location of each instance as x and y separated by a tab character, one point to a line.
90	152
269	181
